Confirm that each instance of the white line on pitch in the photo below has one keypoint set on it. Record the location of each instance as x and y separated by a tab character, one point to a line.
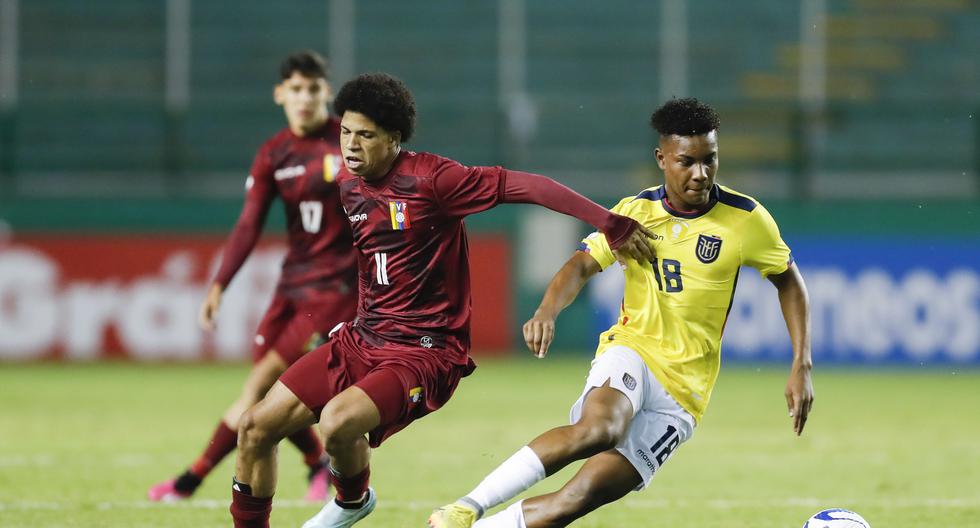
719	504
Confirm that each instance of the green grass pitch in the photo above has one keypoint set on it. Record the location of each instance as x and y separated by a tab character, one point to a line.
79	446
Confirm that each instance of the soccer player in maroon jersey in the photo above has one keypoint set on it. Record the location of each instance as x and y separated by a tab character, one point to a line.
406	351
317	287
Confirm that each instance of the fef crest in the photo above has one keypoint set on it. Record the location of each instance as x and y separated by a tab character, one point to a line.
708	248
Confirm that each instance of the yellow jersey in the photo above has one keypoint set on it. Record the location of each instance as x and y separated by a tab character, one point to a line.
674	311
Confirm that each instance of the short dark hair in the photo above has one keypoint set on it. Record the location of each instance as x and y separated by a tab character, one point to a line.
307	62
381	97
684	117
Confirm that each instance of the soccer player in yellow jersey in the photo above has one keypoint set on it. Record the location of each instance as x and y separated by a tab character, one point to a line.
654	369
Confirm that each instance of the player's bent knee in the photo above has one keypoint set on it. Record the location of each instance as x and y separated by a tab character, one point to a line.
597	437
251	434
338	432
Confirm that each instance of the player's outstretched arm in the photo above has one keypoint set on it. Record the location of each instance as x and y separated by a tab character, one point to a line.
795	304
463	190
539	331
625	235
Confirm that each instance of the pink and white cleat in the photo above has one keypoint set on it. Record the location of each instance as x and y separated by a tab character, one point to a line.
166	492
319	490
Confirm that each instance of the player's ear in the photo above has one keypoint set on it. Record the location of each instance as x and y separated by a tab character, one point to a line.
659	155
396	137
277	94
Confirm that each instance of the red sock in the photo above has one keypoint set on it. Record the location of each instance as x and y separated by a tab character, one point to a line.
351	489
250	512
308	442
223	441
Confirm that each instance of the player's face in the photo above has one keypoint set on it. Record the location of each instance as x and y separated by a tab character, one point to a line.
304	99
368	149
689	164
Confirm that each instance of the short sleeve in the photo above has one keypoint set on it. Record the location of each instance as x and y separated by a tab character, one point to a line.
762	247
596	244
465	190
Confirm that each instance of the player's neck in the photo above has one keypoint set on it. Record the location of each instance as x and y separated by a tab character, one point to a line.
381	175
682	207
300	131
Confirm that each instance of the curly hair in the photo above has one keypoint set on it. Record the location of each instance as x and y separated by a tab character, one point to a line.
684	117
382	98
307	62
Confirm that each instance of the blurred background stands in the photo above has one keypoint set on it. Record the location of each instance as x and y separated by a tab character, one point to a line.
819	99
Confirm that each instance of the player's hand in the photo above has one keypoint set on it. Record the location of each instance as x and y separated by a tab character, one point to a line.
637	247
799	396
209	308
539	331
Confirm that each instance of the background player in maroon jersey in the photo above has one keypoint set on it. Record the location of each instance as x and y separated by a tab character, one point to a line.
316	290
406	351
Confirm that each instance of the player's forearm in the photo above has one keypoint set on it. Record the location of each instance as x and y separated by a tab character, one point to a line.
795	305
524	187
566	285
241	242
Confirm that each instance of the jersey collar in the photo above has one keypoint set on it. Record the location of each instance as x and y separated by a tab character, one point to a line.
383	181
688	214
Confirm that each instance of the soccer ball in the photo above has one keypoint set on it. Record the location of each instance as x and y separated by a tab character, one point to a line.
836	518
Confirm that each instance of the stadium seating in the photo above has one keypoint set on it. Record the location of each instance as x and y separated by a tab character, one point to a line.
92	92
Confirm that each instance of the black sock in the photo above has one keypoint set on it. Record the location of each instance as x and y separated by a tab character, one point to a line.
241	487
187	482
356	505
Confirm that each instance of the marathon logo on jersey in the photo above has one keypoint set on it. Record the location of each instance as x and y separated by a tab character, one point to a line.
415	395
289	172
399	215
708	248
331	167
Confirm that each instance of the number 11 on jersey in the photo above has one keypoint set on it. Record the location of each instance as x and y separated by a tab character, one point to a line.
381	268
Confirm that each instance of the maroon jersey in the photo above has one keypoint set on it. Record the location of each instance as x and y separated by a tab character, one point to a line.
414	279
302	171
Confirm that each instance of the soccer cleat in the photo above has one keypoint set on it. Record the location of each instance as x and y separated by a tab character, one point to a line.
452	516
332	515
319	486
166	492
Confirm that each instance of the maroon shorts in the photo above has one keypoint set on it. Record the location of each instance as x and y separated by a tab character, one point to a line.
404	384
297	322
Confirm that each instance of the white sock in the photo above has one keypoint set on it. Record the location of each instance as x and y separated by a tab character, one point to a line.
516	474
512	517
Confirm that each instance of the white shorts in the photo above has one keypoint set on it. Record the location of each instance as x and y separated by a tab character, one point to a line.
659	423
